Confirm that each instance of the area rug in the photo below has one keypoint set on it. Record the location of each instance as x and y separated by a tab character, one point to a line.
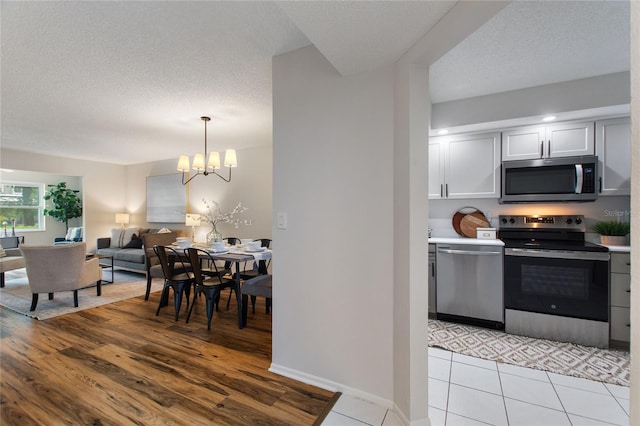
17	297
609	366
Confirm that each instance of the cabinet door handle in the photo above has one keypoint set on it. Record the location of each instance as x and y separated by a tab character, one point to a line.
441	191
541	149
549	149
629	291
628	263
446	190
629	325
433	270
600	185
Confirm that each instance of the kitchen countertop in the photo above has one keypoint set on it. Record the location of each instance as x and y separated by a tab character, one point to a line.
463	240
619	249
485	242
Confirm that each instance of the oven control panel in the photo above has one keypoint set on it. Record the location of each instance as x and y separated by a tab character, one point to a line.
566	222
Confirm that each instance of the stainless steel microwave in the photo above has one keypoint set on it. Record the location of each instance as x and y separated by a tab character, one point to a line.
550	179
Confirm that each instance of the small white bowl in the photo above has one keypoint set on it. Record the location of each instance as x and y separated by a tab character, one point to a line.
184	243
253	245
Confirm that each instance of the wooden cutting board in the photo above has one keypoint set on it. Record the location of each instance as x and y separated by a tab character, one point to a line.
472	221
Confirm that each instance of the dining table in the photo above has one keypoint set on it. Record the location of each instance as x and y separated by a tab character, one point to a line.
236	255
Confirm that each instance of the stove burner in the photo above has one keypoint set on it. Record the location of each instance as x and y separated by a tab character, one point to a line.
564	233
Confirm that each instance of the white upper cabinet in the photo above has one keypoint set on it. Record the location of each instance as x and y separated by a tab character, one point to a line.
523	143
464	166
560	140
436	167
613	148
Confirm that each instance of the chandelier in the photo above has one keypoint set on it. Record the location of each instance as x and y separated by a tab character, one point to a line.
212	165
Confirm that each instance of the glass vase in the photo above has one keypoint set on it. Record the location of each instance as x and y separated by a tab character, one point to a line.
214	236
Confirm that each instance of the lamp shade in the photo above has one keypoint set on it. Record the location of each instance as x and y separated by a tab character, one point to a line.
214	160
230	159
122	218
198	163
192	220
183	163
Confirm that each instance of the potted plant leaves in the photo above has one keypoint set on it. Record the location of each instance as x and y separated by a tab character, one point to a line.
66	203
612	233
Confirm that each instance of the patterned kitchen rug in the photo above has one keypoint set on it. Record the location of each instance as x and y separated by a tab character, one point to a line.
602	365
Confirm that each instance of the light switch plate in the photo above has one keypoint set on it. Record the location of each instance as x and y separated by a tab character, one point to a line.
281	220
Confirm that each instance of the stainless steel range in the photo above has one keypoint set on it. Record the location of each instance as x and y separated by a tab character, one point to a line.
556	285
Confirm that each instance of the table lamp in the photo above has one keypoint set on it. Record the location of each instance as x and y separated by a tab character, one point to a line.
192	220
122	219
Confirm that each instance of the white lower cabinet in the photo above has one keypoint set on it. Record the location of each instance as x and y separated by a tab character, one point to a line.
620	297
432	280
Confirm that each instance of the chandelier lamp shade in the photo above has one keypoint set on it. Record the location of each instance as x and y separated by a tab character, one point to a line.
213	163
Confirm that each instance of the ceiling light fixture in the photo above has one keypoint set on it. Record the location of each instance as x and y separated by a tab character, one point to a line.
549	118
213	164
443	132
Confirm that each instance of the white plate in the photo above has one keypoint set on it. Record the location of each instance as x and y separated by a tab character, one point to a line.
255	250
214	251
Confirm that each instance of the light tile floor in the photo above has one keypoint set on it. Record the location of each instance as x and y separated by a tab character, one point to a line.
464	390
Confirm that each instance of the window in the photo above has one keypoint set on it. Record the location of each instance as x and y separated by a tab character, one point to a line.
24	203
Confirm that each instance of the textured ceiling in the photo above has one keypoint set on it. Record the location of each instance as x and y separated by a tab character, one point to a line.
126	82
531	43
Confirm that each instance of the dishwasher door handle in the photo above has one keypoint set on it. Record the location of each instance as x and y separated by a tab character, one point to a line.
471	252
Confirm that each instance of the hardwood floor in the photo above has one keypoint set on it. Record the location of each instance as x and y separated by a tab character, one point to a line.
122	364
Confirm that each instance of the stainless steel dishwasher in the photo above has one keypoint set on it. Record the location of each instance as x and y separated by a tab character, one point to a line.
469	284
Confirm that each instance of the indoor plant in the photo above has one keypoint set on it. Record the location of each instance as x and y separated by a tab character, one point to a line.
66	203
612	232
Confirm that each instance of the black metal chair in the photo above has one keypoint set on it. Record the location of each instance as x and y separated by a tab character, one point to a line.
180	280
210	286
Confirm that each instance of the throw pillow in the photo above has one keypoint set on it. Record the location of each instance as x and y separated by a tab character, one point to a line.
116	237
135	243
120	237
128	235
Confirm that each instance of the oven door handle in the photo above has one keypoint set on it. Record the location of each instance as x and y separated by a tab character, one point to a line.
557	254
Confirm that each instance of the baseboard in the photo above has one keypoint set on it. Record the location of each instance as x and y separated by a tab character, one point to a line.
330	385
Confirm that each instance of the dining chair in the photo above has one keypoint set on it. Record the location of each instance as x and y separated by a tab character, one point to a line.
211	271
180	280
259	268
210	286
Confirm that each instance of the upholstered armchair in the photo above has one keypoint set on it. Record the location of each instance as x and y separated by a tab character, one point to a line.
55	268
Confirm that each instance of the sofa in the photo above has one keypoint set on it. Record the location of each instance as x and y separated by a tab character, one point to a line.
128	249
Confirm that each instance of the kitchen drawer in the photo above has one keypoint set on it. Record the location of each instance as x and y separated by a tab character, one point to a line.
620	286
620	263
620	320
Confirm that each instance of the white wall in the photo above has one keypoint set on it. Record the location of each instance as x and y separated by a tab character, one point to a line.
102	184
634	418
333	265
604	208
588	93
250	184
109	189
52	228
